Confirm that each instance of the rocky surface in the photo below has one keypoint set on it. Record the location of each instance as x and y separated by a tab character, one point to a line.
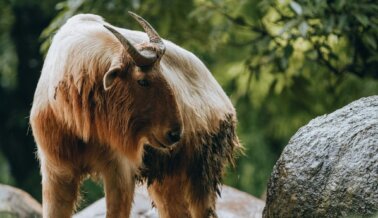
15	203
232	204
330	166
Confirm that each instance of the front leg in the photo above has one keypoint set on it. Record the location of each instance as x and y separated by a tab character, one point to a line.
203	207
176	196
169	197
119	181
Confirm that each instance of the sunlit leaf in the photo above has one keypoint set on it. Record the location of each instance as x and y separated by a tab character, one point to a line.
296	7
288	26
303	28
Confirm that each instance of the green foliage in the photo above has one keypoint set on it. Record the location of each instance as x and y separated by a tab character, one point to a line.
5	175
284	63
7	214
8	57
90	191
170	18
281	62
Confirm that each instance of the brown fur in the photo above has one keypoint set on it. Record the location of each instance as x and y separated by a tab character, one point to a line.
80	128
192	174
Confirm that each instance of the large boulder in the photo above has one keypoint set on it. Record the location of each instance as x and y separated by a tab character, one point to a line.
15	203
330	166
232	204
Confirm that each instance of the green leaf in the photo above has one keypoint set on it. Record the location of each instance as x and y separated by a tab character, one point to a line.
342	21
296	7
370	40
288	26
362	19
339	4
303	28
372	59
330	24
61	6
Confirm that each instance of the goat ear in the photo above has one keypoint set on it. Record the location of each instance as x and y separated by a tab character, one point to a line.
110	76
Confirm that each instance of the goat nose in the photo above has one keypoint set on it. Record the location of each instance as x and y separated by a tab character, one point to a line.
174	136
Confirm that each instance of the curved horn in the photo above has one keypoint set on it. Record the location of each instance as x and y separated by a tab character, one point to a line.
140	59
151	32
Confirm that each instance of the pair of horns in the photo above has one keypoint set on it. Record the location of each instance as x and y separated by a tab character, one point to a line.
148	55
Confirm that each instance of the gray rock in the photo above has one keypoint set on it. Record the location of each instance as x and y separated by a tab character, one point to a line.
15	203
232	204
330	166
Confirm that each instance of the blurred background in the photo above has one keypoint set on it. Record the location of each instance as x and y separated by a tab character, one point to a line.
281	62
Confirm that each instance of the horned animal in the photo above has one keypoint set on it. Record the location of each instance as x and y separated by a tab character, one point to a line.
126	106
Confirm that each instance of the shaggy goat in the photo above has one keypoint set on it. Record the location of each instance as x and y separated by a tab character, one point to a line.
98	101
103	106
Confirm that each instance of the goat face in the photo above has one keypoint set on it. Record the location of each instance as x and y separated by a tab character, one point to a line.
156	113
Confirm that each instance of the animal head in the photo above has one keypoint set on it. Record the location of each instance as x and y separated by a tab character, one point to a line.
135	82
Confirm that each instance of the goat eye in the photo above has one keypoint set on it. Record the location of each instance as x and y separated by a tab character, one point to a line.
143	82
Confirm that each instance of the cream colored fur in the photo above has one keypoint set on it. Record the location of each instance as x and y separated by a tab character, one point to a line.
83	42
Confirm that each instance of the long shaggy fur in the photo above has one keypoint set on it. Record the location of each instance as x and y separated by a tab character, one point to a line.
193	172
81	128
204	167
